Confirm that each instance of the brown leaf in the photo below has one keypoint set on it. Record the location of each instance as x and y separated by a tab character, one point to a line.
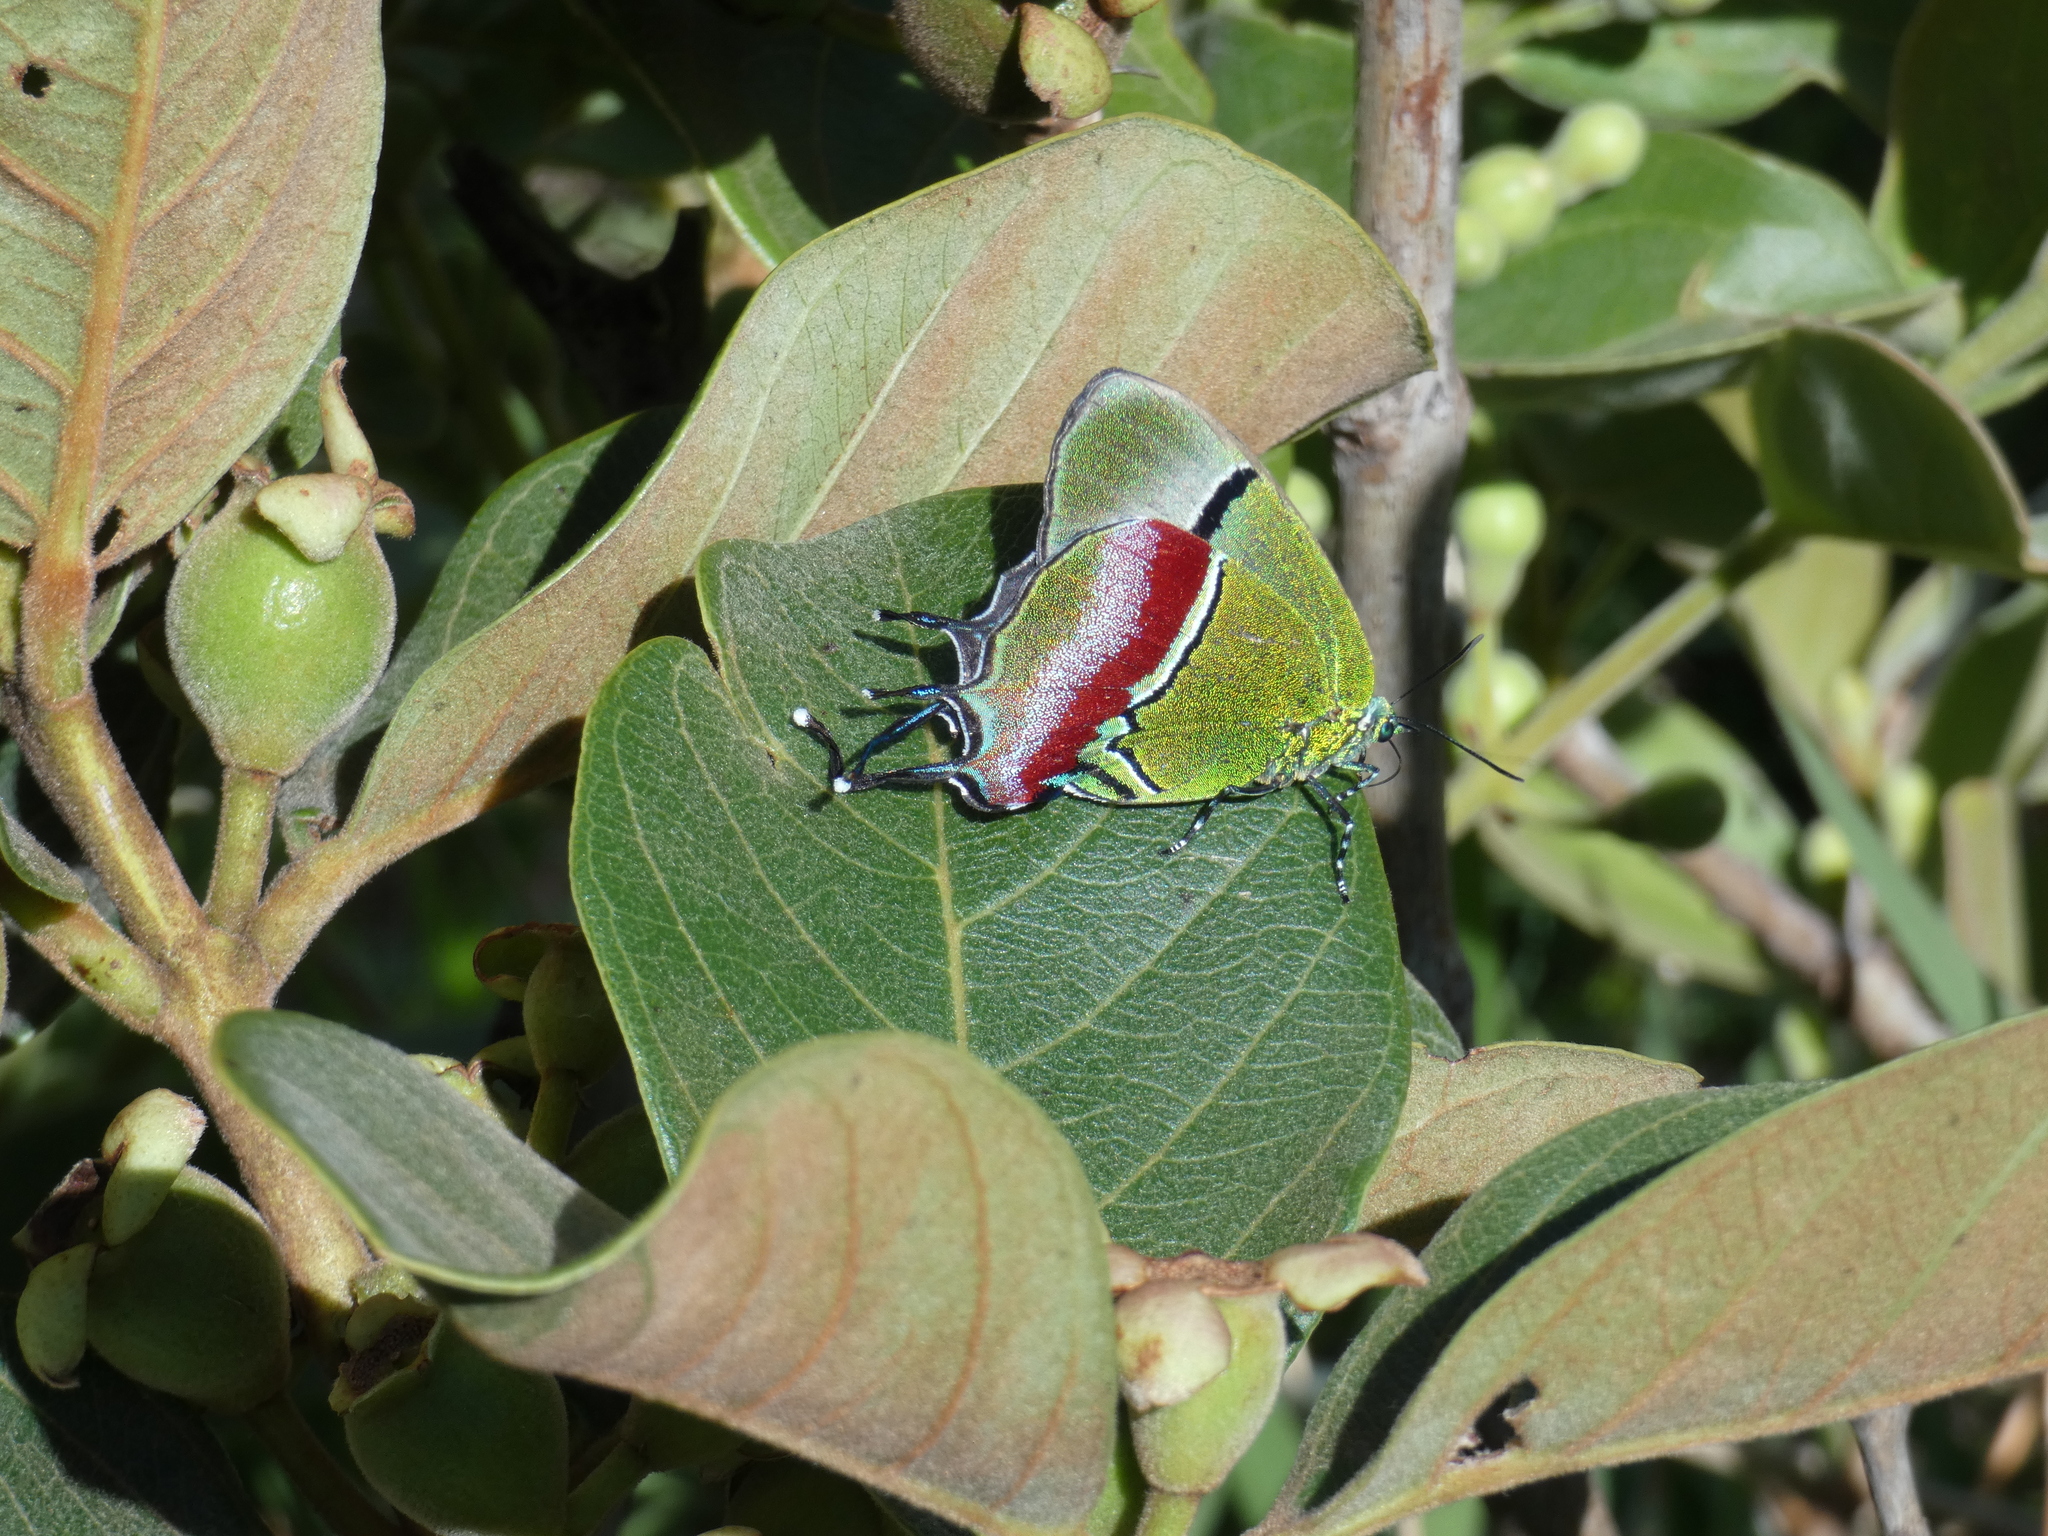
184	198
1465	1120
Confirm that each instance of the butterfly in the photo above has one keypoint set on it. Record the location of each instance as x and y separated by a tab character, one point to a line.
1177	637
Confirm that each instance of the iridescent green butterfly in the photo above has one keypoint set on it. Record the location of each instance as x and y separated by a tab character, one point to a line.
1177	637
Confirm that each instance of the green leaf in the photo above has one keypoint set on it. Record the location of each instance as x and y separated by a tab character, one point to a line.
1466	1120
1615	889
180	169
1939	962
1810	614
1534	1203
1428	1028
1977	701
1175	85
37	867
1984	880
108	1457
1284	92
936	343
1882	1241
878	1256
1728	65
1674	736
1653	291
800	130
1224	1044
1969	173
1855	439
1660	474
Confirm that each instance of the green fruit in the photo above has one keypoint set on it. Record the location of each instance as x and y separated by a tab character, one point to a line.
1906	799
194	1304
1598	145
274	650
1190	1447
961	48
568	1016
1824	855
1518	687
462	1442
1481	251
1513	186
1062	64
1499	526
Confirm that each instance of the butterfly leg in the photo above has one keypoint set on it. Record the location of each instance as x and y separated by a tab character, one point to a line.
1194	829
845	783
1340	813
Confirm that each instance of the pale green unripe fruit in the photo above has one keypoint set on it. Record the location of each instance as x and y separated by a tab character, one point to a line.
1481	249
1824	855
1190	1447
1906	798
1062	64
1513	186
1598	145
1499	526
274	650
195	1304
1518	687
462	1442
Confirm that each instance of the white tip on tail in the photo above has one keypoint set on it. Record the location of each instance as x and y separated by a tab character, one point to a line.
867	693
800	718
842	785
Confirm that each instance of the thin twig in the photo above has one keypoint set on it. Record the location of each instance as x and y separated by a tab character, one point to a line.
1888	1465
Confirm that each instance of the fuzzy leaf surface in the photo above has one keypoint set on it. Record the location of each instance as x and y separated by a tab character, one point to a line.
180	214
1463	1121
934	344
1882	1241
1224	1044
108	1458
878	1256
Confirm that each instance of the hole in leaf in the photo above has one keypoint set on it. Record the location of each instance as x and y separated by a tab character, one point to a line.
1498	1427
35	81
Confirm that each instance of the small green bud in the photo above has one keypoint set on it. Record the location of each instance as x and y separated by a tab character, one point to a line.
1321	1277
1906	799
1518	687
1190	1447
194	1304
1513	186
1598	145
149	1144
1499	525
1062	64
1678	812
49	1320
1171	1341
462	1442
1481	249
568	1016
273	650
1824	856
1802	1045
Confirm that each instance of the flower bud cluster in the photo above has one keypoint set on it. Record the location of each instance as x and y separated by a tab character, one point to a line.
1509	196
162	1270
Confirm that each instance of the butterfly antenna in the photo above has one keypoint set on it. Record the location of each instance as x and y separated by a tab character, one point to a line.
1423	725
1465	651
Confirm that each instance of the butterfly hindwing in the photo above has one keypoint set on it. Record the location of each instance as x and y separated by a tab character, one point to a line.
1131	447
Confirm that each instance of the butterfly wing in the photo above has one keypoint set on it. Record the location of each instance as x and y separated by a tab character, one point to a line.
1130	447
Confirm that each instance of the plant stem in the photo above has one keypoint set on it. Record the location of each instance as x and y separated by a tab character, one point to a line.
87	952
1888	1466
1167	1514
599	1493
330	1490
1397	454
1654	639
554	1113
241	849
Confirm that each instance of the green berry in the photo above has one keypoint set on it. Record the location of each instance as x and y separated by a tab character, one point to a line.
1499	526
273	650
1062	64
1481	250
1513	186
194	1304
1598	145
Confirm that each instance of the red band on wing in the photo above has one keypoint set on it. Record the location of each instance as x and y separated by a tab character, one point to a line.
1147	576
